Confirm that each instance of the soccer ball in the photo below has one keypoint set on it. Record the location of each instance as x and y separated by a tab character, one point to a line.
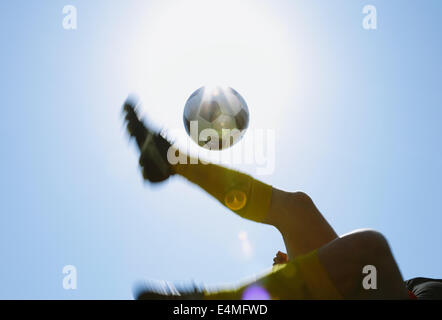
216	117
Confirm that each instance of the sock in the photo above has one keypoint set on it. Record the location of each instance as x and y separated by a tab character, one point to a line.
239	192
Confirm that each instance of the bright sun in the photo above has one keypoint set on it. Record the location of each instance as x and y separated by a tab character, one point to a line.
192	43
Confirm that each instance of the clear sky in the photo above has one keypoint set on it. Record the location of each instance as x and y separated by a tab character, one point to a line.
356	115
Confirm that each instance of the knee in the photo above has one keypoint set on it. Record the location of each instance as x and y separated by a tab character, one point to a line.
294	208
370	244
301	199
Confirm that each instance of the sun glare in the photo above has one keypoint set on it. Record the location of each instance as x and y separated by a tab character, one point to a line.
190	44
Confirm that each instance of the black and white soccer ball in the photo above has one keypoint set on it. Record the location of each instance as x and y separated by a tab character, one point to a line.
216	117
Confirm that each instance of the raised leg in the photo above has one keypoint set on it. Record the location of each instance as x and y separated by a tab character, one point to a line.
293	213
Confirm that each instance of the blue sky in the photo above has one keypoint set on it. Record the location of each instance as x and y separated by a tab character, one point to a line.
356	114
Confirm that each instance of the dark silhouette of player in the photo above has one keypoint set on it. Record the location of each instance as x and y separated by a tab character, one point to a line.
318	265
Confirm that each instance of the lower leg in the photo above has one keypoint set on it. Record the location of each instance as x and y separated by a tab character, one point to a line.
239	192
293	213
301	224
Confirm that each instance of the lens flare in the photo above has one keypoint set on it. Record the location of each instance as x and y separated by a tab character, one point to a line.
255	292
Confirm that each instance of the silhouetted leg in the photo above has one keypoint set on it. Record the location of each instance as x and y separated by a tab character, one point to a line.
345	258
293	213
332	272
